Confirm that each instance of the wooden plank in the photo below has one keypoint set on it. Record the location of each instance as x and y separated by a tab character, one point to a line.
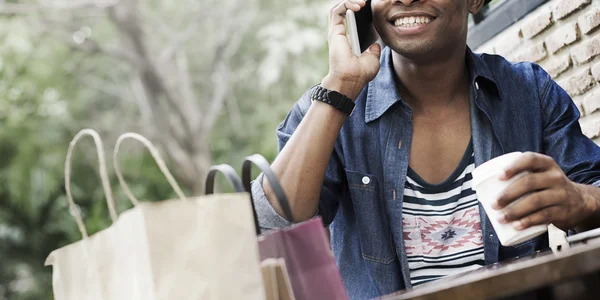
511	277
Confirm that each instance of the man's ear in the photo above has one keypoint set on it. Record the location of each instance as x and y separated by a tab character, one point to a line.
475	5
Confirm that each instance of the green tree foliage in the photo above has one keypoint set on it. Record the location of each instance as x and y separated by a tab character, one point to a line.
49	90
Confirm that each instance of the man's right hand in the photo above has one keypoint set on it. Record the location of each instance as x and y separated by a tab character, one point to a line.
348	74
302	163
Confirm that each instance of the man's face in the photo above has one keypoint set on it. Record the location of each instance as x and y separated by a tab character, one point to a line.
417	28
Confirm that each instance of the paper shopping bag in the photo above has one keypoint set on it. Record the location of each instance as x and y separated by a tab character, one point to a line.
235	181
274	273
276	279
191	248
76	271
304	246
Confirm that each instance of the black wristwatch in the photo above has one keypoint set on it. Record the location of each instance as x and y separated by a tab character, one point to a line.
333	98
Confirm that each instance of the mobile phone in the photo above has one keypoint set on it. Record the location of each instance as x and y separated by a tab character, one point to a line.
352	33
360	31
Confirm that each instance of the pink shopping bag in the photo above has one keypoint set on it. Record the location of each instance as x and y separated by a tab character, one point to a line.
304	246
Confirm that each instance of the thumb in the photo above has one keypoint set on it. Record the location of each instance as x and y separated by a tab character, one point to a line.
375	49
370	60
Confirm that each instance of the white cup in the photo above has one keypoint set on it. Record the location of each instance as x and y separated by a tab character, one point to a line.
489	187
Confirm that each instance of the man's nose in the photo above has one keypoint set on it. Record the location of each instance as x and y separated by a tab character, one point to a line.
407	2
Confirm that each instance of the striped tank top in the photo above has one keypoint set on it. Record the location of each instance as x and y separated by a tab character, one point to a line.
441	223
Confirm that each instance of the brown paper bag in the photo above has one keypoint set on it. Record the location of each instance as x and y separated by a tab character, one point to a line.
190	248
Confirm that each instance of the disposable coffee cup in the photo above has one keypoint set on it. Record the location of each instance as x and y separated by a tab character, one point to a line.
489	187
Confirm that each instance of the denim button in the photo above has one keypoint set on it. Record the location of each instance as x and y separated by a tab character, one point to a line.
366	180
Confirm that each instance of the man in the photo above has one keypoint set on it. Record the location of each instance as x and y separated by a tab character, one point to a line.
392	180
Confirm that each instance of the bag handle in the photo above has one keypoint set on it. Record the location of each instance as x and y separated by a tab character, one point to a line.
229	173
234	179
73	208
264	166
157	158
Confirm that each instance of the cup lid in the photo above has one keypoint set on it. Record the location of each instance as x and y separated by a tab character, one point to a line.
493	167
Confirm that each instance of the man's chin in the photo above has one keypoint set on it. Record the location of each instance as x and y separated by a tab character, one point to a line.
414	50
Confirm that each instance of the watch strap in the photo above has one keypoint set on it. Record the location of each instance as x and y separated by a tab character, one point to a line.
333	98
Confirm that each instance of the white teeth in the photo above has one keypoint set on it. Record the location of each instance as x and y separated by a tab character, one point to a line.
412	21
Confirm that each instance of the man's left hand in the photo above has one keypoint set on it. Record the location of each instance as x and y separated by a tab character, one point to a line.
551	196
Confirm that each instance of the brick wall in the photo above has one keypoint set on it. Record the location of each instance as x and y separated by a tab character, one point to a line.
563	36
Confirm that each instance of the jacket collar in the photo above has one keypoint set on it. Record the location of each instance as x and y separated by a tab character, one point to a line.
383	93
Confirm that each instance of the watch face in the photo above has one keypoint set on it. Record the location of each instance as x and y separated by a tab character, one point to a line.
334	97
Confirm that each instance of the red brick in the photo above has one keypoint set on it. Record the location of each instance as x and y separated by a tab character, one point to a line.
586	51
557	65
563	36
563	8
590	20
508	41
536	24
579	83
590	125
591	101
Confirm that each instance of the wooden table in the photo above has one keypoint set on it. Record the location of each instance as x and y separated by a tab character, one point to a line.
572	273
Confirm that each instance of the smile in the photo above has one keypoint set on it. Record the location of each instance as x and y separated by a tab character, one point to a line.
412	21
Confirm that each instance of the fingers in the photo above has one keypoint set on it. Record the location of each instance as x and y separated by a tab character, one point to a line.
530	205
530	161
344	66
542	217
341	8
337	16
529	183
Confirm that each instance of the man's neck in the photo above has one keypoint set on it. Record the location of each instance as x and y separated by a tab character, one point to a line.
435	84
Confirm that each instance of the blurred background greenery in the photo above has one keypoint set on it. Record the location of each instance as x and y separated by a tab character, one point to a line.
207	81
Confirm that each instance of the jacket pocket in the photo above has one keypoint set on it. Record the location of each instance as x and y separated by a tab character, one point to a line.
525	244
371	219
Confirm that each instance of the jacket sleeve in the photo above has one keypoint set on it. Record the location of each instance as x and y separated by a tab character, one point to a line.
577	155
332	183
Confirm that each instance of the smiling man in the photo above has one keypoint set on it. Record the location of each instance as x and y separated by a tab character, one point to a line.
384	147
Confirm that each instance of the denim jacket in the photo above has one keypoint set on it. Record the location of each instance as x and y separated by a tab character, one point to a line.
514	107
